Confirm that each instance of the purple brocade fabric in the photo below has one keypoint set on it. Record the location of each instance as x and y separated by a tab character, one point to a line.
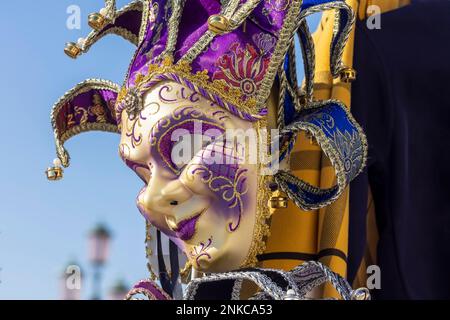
93	106
130	21
151	289
239	58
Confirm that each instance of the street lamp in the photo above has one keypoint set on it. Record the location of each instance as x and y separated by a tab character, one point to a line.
118	291
98	254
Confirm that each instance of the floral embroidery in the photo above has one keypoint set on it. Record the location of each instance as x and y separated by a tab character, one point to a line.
279	5
97	109
347	143
243	69
232	187
265	42
84	114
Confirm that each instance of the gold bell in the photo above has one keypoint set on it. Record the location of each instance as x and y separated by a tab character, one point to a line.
277	201
348	75
218	24
72	50
55	173
97	21
361	294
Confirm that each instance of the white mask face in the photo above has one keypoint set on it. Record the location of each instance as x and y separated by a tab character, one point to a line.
199	190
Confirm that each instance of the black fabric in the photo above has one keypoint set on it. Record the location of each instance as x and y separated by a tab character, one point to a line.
168	283
223	289
302	255
174	265
163	274
402	100
276	278
215	290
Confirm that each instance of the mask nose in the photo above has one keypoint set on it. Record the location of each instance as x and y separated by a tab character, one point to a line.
175	193
164	199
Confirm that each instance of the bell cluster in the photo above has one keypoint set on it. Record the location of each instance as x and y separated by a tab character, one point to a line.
97	21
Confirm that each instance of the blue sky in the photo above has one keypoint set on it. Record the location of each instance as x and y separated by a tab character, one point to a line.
44	225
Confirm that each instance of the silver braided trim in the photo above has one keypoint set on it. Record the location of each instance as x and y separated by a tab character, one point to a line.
288	278
329	147
142	33
82	87
282	97
229	7
301	280
236	293
292	92
231	12
336	55
285	38
199	46
145	19
243	12
262	281
309	59
293	65
110	6
94	36
285	87
304	275
174	23
282	177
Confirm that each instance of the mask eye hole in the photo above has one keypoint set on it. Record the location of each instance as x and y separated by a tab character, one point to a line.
186	148
143	171
177	145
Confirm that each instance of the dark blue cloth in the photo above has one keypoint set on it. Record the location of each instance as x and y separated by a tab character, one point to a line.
402	100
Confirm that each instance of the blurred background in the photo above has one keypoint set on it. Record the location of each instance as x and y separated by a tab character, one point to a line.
86	223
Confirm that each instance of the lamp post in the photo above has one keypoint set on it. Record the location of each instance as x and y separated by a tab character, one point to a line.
98	254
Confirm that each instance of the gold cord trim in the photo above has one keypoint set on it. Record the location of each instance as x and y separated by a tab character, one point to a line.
201	78
85	86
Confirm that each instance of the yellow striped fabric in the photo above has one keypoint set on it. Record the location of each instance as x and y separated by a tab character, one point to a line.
320	232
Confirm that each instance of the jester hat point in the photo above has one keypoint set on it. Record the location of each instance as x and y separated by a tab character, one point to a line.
234	53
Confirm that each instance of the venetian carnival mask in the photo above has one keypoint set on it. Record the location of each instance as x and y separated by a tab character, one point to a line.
201	185
208	83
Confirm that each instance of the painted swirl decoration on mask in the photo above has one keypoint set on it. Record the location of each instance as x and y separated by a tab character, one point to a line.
231	187
134	122
201	251
181	95
130	128
186	120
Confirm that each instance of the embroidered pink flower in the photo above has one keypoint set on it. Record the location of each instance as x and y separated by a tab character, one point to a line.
242	69
264	41
279	5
